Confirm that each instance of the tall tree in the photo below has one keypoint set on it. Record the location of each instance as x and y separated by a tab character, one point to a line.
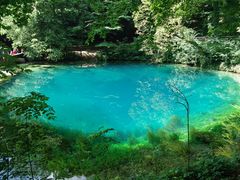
19	9
29	144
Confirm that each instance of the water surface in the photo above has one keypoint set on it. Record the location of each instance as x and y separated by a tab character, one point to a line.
128	98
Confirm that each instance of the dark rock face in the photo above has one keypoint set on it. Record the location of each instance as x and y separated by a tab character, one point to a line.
20	60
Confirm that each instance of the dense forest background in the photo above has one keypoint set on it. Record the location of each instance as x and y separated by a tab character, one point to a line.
194	32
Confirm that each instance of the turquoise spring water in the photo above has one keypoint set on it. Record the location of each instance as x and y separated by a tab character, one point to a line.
128	98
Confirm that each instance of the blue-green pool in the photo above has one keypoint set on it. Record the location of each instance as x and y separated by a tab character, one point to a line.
128	98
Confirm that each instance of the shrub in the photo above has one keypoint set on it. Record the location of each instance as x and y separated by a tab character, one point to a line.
202	137
123	51
206	167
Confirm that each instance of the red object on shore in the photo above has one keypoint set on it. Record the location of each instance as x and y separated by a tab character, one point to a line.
13	52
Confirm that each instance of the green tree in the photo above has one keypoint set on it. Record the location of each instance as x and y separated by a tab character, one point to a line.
106	16
19	9
52	27
55	26
172	31
183	101
29	145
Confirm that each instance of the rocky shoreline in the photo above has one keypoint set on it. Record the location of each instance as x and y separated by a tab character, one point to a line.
233	69
7	75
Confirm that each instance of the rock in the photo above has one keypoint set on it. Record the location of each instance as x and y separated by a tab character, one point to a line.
236	68
224	67
51	177
6	73
86	54
77	178
20	60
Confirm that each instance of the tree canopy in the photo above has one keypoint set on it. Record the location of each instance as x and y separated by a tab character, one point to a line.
46	29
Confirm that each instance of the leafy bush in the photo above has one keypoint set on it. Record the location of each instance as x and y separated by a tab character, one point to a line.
202	137
170	32
176	43
214	152
123	52
206	167
51	28
222	50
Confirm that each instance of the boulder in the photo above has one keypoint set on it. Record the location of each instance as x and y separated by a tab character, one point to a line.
20	60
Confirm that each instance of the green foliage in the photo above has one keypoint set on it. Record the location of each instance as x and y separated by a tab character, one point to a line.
144	20
19	9
174	43
52	27
26	142
216	17
206	167
8	65
229	133
114	10
201	137
163	139
178	44
73	153
222	51
55	26
123	51
170	31
30	107
174	124
31	146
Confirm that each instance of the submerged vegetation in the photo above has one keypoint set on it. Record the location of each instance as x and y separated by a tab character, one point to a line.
203	33
34	149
